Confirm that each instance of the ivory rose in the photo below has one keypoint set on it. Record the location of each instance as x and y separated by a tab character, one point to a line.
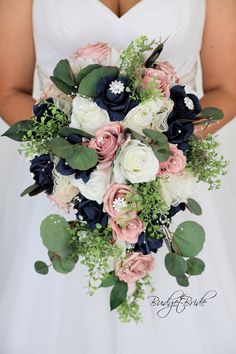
107	140
98	52
134	267
175	164
114	203
136	163
87	116
128	232
163	74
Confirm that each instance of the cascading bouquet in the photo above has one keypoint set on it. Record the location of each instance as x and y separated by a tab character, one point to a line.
114	145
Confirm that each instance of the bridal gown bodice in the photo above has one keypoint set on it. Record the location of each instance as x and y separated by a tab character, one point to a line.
53	314
60	27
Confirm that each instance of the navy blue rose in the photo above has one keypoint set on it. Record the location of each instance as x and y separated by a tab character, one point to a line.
186	106
175	209
41	109
147	245
91	212
179	132
41	168
64	169
113	97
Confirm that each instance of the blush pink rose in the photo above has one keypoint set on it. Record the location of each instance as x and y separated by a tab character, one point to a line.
134	267
128	232
107	140
62	205
113	200
163	74
97	52
175	164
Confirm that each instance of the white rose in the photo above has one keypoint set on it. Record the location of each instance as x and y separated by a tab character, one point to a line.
87	116
136	163
141	116
64	190
159	121
177	189
96	187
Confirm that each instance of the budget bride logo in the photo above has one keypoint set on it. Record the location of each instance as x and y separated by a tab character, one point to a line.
178	302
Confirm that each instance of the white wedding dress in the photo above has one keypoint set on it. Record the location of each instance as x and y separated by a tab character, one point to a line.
52	314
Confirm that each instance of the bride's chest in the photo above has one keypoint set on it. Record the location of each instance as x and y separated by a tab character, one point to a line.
61	26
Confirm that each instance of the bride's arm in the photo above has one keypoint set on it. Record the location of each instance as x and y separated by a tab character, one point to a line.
17	60
218	57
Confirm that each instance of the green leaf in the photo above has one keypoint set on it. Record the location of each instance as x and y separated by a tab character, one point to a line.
37	191
64	73
63	265
18	130
41	267
211	113
182	281
82	158
29	189
175	264
155	136
61	85
118	294
109	280
84	72
65	131
188	239
88	86
61	148
161	154
194	207
195	266
55	234
136	135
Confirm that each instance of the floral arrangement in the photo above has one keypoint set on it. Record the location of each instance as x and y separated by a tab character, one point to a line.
112	142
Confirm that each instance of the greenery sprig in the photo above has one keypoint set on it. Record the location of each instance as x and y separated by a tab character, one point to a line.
37	140
130	310
204	161
95	247
132	59
148	196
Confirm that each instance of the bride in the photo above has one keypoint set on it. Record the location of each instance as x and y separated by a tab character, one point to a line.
53	314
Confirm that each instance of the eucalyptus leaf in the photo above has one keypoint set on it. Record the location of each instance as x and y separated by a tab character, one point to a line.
136	135
85	71
195	266
41	267
188	239
194	207
109	280
175	264
118	294
63	265
88	85
82	158
211	113
182	281
61	85
161	154
55	234
61	147
156	136
64	73
66	131
18	130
